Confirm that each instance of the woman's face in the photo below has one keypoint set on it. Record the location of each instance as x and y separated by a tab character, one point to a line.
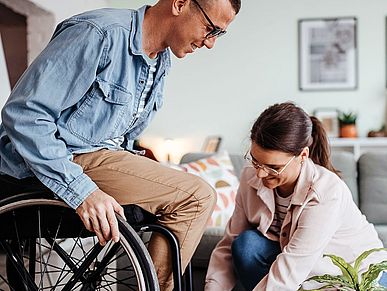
286	168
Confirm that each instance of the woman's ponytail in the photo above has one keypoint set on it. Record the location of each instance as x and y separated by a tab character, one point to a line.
319	150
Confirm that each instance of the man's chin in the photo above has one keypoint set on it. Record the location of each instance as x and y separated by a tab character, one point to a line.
182	52
179	54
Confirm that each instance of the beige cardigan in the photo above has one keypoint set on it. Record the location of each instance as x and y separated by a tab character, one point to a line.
322	219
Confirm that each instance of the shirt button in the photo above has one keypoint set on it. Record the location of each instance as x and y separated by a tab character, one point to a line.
284	234
141	81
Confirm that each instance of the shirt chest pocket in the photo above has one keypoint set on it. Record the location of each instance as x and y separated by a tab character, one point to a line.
103	114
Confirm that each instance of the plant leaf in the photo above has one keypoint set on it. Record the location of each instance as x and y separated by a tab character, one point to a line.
321	288
371	274
365	255
377	288
347	270
334	281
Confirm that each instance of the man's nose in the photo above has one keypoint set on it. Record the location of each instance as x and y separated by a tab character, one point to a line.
210	42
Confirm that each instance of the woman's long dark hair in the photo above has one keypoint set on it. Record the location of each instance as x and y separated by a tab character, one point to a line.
287	128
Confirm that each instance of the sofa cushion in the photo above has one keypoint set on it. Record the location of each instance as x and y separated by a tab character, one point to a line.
345	162
373	186
218	171
237	160
382	232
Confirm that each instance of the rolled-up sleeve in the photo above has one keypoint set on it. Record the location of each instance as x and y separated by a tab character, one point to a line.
54	82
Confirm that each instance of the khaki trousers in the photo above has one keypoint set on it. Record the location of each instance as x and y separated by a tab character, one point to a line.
183	201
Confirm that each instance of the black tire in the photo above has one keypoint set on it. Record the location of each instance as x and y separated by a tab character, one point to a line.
48	248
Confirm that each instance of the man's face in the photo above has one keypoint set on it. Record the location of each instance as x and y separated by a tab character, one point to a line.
194	25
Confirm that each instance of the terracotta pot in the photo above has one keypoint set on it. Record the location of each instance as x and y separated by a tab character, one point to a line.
348	130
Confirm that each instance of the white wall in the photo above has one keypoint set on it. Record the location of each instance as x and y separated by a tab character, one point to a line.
65	9
222	91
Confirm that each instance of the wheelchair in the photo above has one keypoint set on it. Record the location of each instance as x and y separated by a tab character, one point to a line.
46	247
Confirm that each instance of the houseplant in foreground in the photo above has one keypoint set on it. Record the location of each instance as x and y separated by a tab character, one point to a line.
350	280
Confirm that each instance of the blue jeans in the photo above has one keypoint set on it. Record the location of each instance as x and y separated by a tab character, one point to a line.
252	256
383	280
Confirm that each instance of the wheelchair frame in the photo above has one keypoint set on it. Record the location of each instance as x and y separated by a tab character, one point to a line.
129	241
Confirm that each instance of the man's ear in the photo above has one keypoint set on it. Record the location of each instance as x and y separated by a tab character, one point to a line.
178	6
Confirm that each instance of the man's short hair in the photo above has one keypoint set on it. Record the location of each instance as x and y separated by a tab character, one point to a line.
236	4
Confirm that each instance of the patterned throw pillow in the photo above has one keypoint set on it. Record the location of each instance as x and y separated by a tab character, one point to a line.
218	171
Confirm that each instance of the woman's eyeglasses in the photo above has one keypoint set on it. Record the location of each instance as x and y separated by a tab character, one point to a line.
265	168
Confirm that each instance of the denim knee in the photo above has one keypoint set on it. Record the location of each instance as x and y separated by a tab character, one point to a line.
252	255
244	250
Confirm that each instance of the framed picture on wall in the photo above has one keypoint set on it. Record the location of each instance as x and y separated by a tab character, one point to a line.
329	118
327	54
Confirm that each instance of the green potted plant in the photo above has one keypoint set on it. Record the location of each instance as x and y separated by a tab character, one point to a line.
351	280
347	121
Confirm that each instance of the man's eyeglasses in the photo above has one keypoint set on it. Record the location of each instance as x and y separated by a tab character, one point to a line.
216	30
267	169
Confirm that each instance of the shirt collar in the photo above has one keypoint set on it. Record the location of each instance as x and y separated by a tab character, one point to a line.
136	31
304	183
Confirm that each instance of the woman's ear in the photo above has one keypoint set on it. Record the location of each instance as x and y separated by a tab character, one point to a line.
304	154
178	6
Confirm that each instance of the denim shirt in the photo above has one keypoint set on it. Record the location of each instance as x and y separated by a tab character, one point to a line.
83	89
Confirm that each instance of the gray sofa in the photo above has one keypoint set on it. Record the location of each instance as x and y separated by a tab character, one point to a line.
367	179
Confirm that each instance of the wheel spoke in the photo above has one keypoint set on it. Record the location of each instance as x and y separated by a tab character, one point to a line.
77	263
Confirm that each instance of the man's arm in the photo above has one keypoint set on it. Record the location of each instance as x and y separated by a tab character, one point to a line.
56	81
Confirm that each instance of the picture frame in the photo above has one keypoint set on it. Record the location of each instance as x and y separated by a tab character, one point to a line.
329	118
211	144
328	54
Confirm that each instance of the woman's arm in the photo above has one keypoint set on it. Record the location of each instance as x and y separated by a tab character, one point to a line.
220	274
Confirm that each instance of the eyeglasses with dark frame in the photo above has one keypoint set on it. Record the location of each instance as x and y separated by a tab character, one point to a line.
216	30
266	169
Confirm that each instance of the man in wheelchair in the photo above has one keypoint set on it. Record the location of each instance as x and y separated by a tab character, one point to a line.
70	122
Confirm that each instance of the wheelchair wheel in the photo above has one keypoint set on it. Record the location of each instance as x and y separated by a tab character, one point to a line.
46	247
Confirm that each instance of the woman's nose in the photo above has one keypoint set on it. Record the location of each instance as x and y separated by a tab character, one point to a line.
261	173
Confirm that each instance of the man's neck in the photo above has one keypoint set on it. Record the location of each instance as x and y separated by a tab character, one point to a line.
153	33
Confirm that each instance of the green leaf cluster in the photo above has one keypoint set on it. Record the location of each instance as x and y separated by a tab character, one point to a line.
347	118
350	280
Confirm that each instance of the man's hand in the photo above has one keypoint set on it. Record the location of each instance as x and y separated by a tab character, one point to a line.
98	214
